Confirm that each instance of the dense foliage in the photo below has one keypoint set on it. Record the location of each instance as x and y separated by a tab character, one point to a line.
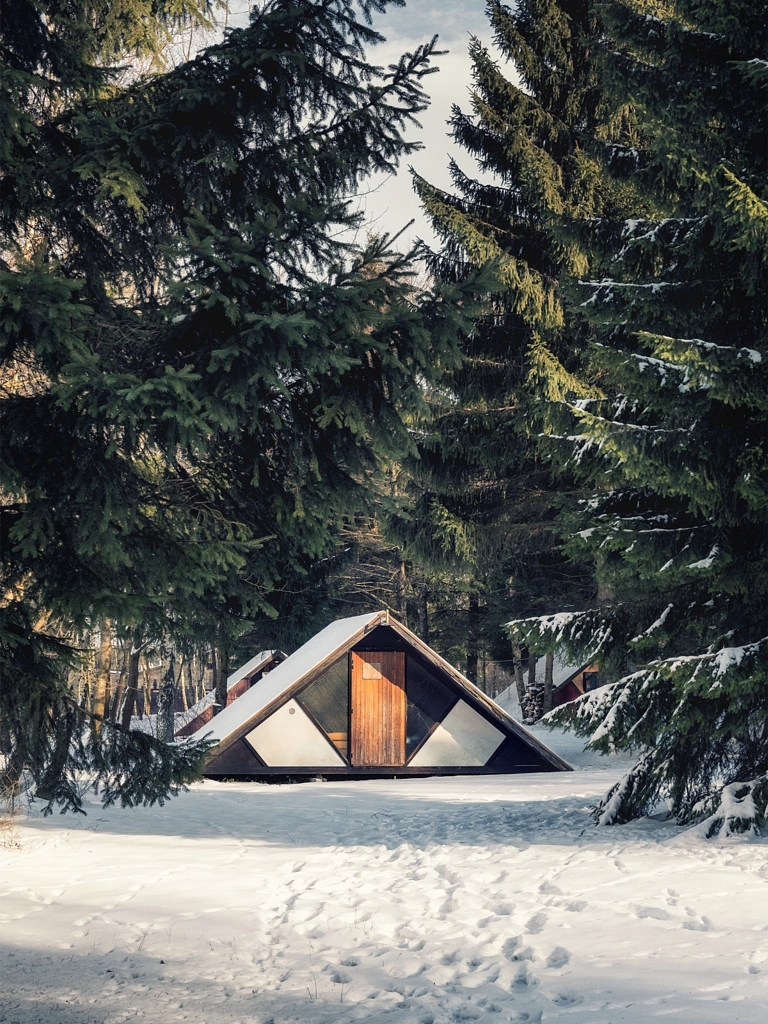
199	375
486	496
675	450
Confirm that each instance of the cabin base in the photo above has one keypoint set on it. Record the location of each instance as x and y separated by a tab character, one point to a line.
287	775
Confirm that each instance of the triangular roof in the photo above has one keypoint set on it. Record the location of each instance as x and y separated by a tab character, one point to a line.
321	651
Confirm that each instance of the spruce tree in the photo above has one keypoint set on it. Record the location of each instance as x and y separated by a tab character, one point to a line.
676	451
200	375
484	501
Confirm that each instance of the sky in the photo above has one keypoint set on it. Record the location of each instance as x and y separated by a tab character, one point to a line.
391	203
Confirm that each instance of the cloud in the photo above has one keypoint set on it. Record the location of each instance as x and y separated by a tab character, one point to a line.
391	202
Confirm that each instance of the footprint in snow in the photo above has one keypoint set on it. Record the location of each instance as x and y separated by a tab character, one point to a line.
466	1012
503	909
559	957
526	953
450	876
524	979
702	925
568	998
576	906
657	913
509	947
536	924
548	889
351	961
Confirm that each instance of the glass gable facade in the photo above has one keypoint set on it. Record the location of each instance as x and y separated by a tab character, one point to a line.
428	701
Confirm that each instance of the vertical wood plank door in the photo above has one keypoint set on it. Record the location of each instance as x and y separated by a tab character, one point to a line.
377	711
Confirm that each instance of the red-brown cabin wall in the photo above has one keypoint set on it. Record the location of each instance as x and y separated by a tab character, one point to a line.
565	694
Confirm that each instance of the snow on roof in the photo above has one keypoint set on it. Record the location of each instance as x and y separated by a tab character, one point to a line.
249	667
321	646
508	700
561	671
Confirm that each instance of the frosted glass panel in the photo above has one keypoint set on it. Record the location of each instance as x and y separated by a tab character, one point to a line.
290	739
463	739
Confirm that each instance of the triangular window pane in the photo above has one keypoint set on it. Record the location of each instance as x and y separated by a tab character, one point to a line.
327	700
428	701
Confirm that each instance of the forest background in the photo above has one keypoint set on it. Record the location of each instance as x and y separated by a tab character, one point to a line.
226	422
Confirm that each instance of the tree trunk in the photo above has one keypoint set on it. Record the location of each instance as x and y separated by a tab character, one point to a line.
183	691
210	670
400	585
517	661
166	699
424	613
472	653
192	697
103	665
533	702
220	673
200	660
132	681
546	703
116	702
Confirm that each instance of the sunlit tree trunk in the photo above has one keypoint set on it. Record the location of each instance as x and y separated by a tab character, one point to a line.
103	664
166	700
132	681
546	703
220	673
517	662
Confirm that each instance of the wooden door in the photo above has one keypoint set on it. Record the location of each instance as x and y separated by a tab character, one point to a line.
377	712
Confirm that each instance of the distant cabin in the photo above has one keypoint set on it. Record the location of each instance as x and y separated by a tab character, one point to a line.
573	682
568	683
237	684
366	697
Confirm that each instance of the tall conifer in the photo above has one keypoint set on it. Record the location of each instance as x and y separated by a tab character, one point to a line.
200	375
484	496
676	452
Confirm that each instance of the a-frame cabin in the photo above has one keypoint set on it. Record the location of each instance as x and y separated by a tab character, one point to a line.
366	697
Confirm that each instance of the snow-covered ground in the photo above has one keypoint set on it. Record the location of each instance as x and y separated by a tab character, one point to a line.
399	902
